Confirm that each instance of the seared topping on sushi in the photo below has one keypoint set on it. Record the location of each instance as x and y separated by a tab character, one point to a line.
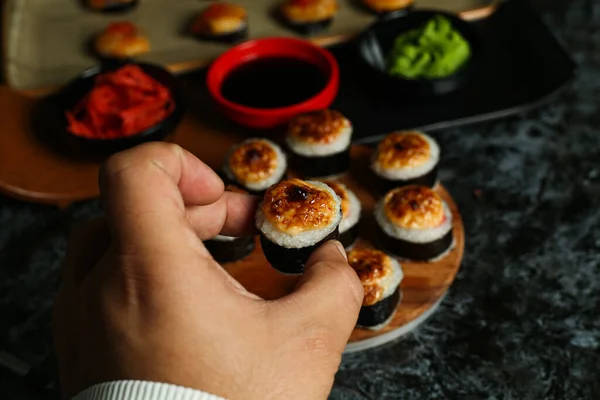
219	19
414	207
402	150
379	274
295	206
253	161
121	40
387	5
318	127
302	11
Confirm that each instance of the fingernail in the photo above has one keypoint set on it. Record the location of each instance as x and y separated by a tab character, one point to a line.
340	248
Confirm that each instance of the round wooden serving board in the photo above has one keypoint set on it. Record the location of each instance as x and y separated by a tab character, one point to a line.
31	171
424	285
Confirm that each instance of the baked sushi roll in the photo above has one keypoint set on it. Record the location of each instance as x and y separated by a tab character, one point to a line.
223	22
319	143
110	5
121	40
225	249
254	165
308	17
406	158
294	218
387	6
351	209
381	276
414	224
228	248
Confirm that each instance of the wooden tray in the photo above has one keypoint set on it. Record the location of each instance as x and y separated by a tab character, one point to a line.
45	40
423	287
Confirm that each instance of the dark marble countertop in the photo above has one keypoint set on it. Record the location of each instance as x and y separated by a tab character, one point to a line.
520	322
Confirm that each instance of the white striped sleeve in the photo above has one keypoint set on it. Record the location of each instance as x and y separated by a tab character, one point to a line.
142	390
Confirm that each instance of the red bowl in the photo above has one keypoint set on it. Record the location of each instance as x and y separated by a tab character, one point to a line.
265	118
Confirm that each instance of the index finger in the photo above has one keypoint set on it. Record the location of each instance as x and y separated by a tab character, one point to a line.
145	191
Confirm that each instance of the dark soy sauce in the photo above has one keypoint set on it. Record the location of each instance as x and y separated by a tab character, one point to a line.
273	82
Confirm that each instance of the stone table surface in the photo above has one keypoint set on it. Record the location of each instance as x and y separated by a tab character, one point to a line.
522	319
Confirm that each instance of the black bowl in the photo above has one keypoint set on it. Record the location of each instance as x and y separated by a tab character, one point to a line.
377	41
50	122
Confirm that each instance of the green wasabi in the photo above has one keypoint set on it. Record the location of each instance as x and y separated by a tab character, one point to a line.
435	50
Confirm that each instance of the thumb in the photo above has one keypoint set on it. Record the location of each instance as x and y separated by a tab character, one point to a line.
330	291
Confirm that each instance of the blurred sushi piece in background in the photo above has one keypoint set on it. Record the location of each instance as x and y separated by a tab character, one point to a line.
319	143
254	165
406	158
308	17
223	22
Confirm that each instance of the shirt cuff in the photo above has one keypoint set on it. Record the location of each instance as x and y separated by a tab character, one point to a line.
142	390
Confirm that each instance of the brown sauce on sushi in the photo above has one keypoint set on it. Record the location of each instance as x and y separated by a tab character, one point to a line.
402	150
371	266
318	127
253	161
295	206
414	207
273	82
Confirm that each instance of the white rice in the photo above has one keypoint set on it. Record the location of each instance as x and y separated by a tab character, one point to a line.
303	239
265	183
308	149
395	174
412	235
391	282
353	213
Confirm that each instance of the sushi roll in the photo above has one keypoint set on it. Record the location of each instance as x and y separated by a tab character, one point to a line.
406	158
110	5
351	209
294	218
308	17
254	165
319	143
414	224
387	6
228	248
381	276
222	22
121	40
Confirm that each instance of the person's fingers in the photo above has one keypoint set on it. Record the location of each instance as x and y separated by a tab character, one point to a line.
86	246
145	191
329	292
231	215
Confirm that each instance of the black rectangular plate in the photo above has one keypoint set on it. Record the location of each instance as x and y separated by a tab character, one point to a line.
522	66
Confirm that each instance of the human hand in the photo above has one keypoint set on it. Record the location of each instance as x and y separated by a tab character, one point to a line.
142	299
